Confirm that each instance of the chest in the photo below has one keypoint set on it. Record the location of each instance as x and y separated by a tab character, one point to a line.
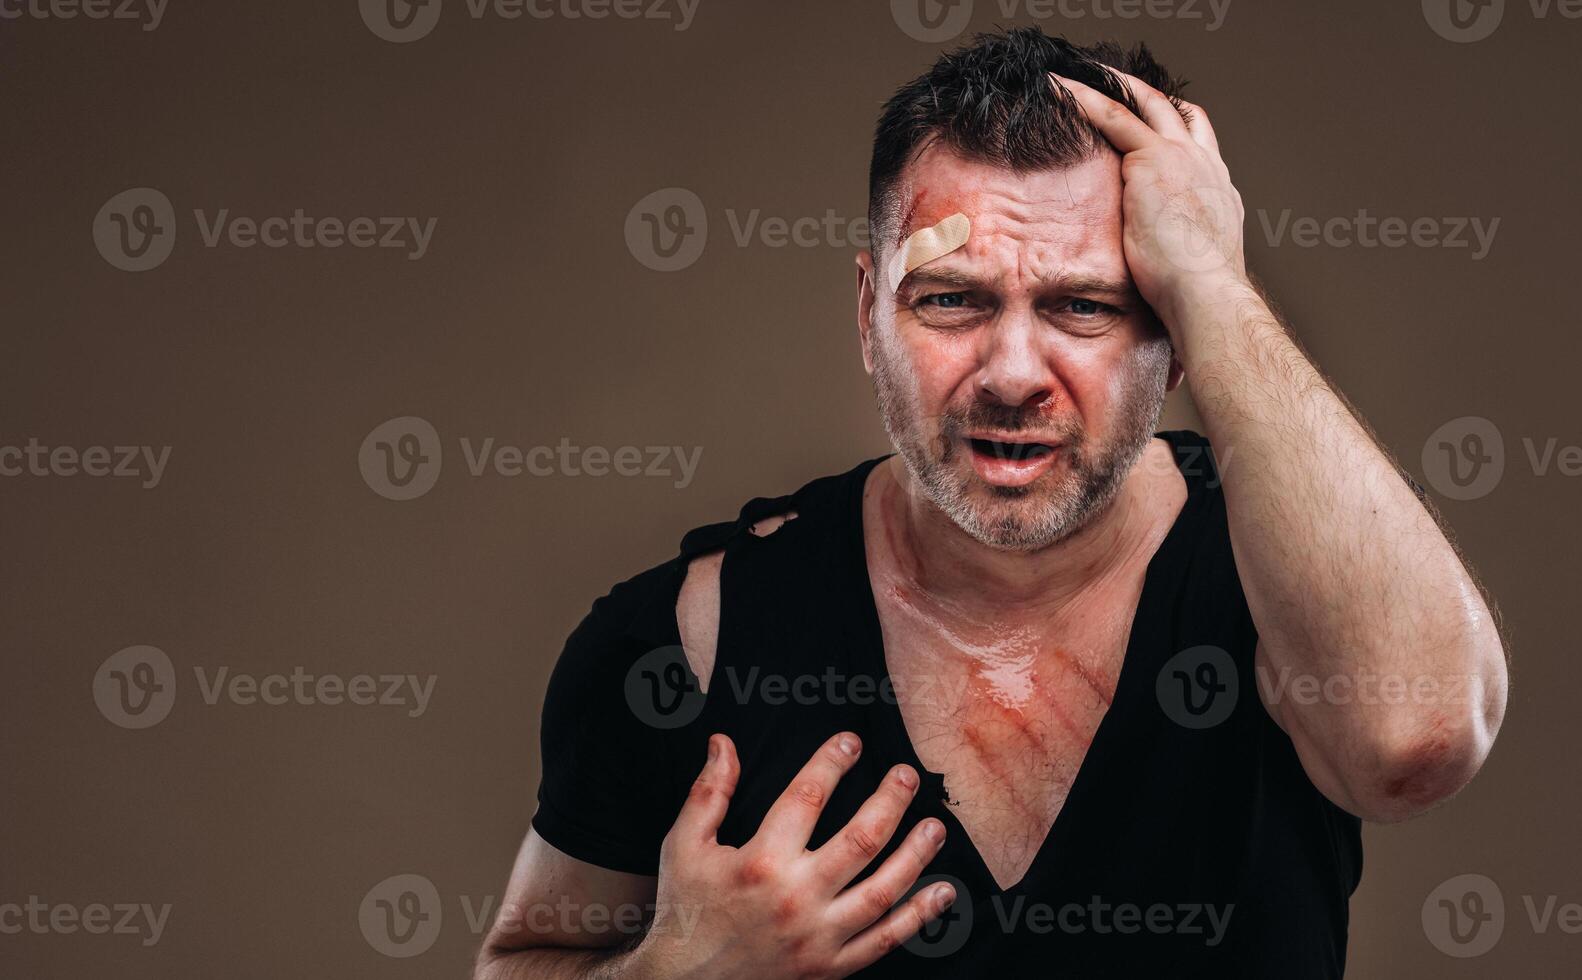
1005	712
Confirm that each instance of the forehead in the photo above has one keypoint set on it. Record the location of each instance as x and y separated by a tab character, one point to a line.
1065	210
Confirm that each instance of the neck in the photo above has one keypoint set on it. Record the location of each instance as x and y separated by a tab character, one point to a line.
954	569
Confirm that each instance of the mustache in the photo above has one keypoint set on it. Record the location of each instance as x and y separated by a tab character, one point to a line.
1037	423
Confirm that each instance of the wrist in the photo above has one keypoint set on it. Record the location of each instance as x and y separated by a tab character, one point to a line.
1209	315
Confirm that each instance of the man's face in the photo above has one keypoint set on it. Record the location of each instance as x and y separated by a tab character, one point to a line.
1021	375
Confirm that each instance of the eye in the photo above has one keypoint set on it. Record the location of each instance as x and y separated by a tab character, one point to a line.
1089	307
947	301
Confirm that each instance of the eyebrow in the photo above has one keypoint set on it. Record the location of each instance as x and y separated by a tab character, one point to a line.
920	278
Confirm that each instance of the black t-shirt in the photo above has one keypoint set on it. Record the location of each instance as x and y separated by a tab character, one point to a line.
1191	844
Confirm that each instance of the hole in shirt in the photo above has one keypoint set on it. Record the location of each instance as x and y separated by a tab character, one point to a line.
771	524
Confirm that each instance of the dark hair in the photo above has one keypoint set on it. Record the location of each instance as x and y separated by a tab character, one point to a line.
994	102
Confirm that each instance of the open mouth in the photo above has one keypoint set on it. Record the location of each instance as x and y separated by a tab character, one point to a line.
1018	451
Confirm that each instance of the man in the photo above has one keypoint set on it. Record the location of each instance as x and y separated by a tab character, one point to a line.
1118	710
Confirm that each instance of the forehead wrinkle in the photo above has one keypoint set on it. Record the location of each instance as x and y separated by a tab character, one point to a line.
1002	261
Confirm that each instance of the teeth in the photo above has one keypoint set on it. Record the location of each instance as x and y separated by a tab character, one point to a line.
1018	451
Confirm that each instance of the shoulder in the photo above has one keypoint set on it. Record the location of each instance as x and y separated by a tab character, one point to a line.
679	600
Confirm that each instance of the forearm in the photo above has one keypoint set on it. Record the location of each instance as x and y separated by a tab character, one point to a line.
1349	578
563	964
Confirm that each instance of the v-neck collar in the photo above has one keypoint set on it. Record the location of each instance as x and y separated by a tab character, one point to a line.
1132	689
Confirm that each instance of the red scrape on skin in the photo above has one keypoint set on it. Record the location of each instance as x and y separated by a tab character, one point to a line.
921	213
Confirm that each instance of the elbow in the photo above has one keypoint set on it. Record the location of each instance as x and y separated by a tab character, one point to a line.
1431	755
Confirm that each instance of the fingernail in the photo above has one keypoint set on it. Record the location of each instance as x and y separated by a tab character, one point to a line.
849	744
714	748
906	777
935	831
943	896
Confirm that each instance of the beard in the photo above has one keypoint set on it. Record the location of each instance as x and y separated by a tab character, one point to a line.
1059	503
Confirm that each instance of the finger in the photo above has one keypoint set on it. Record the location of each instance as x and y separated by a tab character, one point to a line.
1201	129
1118	124
861	905
710	796
789	822
844	856
899	926
1156	108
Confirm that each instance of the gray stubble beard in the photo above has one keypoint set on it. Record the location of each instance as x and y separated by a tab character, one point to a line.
1094	474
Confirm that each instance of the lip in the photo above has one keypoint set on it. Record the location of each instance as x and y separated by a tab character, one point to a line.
1004	471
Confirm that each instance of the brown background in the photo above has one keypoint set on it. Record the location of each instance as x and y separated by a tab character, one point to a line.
530	320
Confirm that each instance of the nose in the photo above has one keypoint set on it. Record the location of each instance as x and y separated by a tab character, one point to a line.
1015	372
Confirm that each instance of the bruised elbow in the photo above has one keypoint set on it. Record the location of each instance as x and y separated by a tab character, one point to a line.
1425	764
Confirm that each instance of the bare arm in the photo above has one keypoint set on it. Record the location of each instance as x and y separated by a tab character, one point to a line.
1377	652
564	919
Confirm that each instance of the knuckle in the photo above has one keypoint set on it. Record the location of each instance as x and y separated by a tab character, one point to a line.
786	910
808	793
703	792
887	940
863	842
878	900
756	871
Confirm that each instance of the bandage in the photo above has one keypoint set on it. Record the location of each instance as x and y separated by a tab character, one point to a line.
927	244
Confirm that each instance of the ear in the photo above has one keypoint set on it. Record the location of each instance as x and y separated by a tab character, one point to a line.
867	287
1177	373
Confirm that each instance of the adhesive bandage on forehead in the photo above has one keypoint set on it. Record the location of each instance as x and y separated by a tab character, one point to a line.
927	244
